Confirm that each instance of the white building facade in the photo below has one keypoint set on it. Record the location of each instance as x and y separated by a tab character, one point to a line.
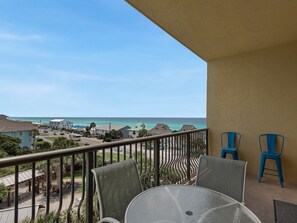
134	132
60	124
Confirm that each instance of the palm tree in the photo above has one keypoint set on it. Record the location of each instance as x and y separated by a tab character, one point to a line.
92	126
87	133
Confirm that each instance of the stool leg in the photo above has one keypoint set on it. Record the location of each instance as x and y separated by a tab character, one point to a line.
223	154
281	167
235	155
279	170
262	166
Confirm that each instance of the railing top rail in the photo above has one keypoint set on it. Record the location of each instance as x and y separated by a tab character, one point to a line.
28	158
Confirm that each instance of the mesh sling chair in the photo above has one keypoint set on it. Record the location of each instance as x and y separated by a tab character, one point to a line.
271	150
223	175
232	145
116	185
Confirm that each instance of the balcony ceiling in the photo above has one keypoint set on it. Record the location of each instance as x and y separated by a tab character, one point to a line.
213	29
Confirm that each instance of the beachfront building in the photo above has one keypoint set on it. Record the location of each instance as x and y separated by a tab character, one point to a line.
160	129
187	128
103	129
19	129
134	131
60	124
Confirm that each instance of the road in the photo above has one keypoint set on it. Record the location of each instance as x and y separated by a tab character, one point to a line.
48	137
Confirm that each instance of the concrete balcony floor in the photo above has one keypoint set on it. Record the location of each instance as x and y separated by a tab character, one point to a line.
259	196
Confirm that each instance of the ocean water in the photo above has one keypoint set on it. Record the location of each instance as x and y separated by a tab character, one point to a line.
173	123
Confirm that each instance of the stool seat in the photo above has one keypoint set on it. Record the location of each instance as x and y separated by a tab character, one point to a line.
232	151
270	155
231	148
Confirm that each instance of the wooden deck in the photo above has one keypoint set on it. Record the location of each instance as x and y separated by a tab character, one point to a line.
259	196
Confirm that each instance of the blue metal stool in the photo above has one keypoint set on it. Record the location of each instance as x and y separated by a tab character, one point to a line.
270	152
231	148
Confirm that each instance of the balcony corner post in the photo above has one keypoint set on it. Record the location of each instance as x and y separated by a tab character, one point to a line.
206	142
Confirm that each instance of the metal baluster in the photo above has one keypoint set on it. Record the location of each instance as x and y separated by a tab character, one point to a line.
83	168
135	151
162	149
179	158
33	193
150	155
72	188
94	165
145	157
141	162
206	143
48	185
188	156
110	155
166	148
60	188
179	164
157	161
89	187
16	194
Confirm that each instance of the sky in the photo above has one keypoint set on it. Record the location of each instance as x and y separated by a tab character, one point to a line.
95	58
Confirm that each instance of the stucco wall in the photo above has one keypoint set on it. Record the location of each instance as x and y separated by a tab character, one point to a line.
255	93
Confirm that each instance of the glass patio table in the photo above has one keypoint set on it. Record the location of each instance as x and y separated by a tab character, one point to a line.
186	204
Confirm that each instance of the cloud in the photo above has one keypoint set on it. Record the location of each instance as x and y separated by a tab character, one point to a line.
16	37
77	76
25	89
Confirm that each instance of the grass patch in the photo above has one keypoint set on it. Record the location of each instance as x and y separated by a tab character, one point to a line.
114	156
79	189
50	138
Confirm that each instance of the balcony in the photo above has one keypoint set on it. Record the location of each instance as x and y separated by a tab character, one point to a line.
163	159
66	190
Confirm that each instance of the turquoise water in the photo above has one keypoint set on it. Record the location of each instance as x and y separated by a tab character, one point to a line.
173	123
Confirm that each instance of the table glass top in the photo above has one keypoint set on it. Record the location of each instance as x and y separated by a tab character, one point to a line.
187	204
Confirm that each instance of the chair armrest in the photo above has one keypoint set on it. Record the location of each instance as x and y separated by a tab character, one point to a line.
109	220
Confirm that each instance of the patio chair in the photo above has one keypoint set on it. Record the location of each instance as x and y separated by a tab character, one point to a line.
232	144
223	175
271	149
116	185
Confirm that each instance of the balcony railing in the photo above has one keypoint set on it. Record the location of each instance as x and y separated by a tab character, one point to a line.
162	159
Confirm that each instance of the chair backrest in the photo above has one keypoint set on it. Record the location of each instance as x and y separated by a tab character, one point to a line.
231	139
116	184
271	143
223	175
